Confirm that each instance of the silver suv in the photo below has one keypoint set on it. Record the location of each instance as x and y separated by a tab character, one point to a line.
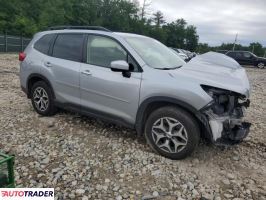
136	81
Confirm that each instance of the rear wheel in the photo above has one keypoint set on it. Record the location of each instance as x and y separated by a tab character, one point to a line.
172	132
260	65
42	99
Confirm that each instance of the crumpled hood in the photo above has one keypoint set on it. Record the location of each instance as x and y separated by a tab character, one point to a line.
217	70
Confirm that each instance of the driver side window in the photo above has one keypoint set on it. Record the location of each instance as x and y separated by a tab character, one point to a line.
101	51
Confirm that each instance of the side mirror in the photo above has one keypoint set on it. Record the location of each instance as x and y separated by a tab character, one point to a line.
119	66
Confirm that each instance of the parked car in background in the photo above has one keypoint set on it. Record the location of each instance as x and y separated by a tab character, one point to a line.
247	58
181	54
138	82
189	53
222	51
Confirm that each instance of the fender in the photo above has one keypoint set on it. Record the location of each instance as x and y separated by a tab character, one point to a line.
35	75
141	114
158	99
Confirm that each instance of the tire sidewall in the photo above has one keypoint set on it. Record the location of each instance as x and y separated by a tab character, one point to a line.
185	119
50	109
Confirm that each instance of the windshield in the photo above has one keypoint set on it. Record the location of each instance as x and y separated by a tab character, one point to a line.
253	54
154	53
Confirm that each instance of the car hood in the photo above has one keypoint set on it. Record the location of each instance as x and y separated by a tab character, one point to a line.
217	70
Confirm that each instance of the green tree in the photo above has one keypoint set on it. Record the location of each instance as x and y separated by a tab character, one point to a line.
256	48
176	33
30	16
191	38
202	48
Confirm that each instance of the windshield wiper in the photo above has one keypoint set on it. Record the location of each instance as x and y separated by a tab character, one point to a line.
169	68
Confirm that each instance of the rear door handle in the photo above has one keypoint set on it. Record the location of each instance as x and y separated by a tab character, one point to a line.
86	72
48	64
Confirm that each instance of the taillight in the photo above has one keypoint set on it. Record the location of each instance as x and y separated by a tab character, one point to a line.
22	56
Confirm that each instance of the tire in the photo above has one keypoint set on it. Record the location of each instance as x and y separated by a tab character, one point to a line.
185	129
261	65
42	93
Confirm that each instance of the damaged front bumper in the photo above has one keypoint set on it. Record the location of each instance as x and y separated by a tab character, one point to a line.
224	116
228	130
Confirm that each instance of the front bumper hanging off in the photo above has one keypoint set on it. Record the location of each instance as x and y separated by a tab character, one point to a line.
233	135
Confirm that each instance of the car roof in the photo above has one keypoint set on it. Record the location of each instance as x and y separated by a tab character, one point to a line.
121	34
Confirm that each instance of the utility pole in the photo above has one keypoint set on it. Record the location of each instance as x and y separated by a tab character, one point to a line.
264	53
235	42
253	48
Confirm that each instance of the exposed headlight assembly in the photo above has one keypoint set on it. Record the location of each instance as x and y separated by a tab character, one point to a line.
224	101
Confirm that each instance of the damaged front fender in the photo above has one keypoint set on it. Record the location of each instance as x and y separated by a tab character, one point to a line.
225	116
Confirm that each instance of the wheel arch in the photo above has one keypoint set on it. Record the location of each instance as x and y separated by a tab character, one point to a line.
152	103
33	78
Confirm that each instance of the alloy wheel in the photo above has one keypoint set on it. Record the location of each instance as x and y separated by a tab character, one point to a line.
261	65
169	135
40	99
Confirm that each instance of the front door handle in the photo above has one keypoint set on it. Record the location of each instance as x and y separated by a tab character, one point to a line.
86	72
48	64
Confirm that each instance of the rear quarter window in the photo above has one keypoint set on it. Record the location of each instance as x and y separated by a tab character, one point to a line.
43	44
68	47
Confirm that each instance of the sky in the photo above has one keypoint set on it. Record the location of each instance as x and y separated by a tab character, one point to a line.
218	21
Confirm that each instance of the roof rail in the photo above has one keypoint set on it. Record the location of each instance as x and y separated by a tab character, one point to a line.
98	28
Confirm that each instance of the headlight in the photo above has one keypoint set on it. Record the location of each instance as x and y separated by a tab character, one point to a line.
212	91
225	101
222	99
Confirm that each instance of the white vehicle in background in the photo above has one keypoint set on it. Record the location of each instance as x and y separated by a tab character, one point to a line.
181	54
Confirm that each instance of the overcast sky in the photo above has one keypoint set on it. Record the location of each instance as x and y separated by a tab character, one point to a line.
218	21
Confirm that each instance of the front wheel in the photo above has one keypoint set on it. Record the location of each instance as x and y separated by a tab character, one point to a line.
260	65
172	132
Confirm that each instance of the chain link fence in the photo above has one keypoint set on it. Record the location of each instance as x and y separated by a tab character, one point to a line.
11	43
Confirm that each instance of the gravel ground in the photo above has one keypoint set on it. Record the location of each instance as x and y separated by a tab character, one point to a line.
84	158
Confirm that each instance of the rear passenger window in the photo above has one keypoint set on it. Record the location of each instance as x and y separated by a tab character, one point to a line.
43	43
69	47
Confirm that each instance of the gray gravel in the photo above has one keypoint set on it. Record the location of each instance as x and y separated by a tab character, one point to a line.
84	158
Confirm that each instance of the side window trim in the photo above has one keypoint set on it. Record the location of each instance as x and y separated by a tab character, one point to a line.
84	59
50	52
84	49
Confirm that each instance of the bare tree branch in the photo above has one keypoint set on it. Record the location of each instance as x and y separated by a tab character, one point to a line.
145	5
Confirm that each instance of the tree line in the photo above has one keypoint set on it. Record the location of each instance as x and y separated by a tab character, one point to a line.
26	17
30	16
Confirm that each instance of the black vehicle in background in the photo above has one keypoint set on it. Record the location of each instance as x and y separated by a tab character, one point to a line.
222	51
247	58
